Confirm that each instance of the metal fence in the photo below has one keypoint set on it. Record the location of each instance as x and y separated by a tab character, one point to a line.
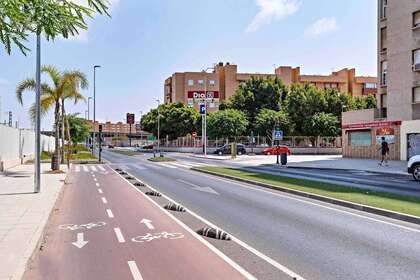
258	141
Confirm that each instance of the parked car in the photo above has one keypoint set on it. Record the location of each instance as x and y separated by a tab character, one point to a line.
414	167
227	150
277	150
148	147
110	146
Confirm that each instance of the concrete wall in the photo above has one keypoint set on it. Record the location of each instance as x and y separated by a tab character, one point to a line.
18	146
407	127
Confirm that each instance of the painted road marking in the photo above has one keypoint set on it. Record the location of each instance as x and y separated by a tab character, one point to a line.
134	270
150	237
109	212
97	184
168	165
194	234
93	175
94	179
249	186
140	167
147	223
101	168
81	227
154	166
104	200
85	169
93	168
199	188
119	235
80	242
182	165
100	191
77	168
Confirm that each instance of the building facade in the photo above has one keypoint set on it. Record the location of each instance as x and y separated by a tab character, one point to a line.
398	94
191	88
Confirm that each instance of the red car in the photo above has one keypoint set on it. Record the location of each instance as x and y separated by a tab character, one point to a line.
277	150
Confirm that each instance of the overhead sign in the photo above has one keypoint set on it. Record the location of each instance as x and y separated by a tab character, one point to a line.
151	138
386	132
278	135
203	95
370	125
202	109
130	118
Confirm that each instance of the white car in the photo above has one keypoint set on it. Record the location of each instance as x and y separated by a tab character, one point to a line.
414	167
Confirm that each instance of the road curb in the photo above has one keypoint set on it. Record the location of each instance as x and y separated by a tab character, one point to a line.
354	170
356	206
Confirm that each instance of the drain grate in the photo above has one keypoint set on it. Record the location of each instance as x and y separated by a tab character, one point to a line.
174	207
153	193
138	184
213	233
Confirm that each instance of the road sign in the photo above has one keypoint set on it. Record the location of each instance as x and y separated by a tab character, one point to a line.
194	134
151	138
130	118
202	109
278	135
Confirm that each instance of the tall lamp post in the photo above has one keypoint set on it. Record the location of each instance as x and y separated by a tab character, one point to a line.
94	107
141	132
158	102
204	124
37	177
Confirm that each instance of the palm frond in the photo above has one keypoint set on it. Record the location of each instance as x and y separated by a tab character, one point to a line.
30	85
54	74
47	102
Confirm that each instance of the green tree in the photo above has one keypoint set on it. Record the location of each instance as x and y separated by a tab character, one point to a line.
19	18
176	120
227	123
257	94
267	119
79	128
371	102
322	124
64	85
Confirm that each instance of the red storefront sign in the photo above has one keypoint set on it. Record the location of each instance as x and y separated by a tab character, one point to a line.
370	125
202	95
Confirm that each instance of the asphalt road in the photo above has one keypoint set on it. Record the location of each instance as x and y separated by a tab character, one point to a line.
104	228
312	239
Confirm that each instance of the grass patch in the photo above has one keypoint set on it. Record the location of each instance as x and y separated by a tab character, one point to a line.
398	203
161	159
45	155
125	153
82	156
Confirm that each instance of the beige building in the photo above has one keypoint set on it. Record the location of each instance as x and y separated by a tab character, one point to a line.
399	90
191	87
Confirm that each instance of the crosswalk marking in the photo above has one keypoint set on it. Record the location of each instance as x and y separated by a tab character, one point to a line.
182	165
93	168
168	165
77	168
85	168
101	168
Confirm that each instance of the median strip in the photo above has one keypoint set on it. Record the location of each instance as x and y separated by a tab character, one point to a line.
395	206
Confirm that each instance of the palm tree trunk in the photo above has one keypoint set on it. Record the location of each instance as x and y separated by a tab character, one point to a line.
63	116
69	144
56	159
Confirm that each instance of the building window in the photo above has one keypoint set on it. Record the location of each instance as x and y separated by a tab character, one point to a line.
383	38
327	85
416	60
370	85
383	101
384	9
360	138
384	71
212	82
416	95
190	83
334	85
416	19
201	82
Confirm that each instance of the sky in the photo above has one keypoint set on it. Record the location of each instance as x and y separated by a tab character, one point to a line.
145	41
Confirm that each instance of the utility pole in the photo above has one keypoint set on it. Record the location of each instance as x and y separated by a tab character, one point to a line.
158	101
204	124
141	129
94	107
37	177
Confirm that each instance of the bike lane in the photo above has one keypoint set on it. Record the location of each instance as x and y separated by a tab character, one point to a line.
106	229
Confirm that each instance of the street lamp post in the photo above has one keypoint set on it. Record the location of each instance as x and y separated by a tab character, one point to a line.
37	177
94	107
141	132
158	101
204	123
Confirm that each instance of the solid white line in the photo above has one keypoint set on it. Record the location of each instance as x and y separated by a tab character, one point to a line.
77	168
188	183
104	200
101	168
85	169
119	235
248	186
97	184
100	191
93	168
241	270
168	165
134	270
109	212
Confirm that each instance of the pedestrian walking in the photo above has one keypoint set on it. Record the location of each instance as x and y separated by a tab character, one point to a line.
384	152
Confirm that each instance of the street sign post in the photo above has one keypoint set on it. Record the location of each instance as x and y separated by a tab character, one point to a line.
278	135
100	142
130	121
203	109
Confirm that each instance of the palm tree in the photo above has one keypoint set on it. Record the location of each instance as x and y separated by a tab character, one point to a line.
65	86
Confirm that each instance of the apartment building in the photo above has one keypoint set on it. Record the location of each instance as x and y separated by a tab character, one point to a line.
398	114
114	128
191	88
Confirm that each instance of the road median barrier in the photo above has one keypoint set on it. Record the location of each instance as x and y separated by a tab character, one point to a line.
174	207
153	193
409	202
213	233
138	184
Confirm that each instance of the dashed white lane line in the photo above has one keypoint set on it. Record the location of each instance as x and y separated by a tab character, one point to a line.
119	235
100	191
97	184
101	168
85	169
93	168
104	200
110	214
134	270
168	165
94	179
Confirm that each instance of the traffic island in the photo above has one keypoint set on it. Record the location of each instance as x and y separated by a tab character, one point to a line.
394	206
161	159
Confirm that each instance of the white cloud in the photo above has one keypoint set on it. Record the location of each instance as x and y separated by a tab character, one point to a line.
271	10
321	27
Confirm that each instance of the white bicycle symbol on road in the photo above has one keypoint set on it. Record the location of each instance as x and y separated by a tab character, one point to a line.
150	237
80	227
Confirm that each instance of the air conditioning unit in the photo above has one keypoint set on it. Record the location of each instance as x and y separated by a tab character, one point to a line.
416	67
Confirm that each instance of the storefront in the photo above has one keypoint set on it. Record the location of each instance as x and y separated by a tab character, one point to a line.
363	140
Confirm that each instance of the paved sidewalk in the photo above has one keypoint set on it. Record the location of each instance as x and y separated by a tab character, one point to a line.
23	215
